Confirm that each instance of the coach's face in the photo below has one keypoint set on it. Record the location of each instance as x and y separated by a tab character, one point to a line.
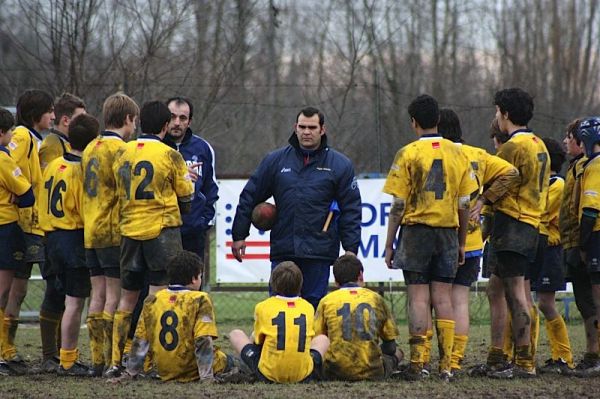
309	131
180	120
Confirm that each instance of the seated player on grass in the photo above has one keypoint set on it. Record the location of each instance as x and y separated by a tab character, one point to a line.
355	319
61	217
178	326
285	348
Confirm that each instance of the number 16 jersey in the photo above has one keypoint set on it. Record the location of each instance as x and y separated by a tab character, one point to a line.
284	328
430	174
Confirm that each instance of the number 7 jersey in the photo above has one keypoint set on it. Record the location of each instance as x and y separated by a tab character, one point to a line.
284	328
150	176
430	174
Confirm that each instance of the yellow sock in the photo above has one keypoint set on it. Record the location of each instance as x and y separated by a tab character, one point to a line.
458	351
9	350
508	347
127	347
68	357
535	329
148	362
108	330
219	361
524	358
495	356
428	345
558	336
445	334
95	325
417	349
121	326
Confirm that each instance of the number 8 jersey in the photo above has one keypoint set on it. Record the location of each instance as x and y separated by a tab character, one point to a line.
430	174
150	176
284	328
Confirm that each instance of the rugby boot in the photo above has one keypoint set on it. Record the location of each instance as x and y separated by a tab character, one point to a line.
96	370
512	371
555	367
113	372
76	370
588	367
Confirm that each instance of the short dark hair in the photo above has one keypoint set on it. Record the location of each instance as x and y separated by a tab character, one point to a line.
31	105
425	111
66	105
498	134
573	130
449	125
154	115
346	269
286	279
517	103
557	154
7	120
180	101
310	111
184	267
82	130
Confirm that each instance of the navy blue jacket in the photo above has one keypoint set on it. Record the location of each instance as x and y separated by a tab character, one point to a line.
194	150
303	185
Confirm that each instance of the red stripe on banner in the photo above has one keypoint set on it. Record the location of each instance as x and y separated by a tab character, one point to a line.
251	243
250	257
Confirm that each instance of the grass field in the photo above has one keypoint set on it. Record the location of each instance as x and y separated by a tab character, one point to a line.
51	386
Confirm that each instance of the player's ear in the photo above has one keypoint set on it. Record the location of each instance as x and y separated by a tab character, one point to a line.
323	129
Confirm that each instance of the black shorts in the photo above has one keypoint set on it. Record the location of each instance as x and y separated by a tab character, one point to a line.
511	235
34	253
431	251
67	254
149	257
549	277
251	356
104	261
536	266
12	247
592	253
489	261
467	274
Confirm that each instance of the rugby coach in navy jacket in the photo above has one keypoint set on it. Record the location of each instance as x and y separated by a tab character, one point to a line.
304	178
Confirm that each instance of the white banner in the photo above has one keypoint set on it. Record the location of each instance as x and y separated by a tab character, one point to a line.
256	266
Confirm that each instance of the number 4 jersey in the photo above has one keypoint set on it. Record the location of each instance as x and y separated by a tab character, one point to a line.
284	328
355	319
60	200
430	174
151	177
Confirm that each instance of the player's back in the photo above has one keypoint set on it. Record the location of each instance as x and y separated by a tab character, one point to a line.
526	201
284	326
60	205
569	208
151	177
430	174
555	191
172	320
354	319
55	145
590	188
100	200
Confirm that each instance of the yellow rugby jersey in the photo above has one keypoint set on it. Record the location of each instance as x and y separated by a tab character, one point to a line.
569	207
151	176
527	201
100	199
486	168
171	321
430	174
284	326
24	148
590	188
12	183
555	192
60	203
55	145
354	319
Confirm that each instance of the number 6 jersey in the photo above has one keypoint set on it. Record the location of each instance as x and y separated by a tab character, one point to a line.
430	174
151	177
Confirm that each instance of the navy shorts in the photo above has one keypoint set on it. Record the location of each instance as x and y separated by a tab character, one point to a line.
12	247
251	356
148	259
592	253
431	251
467	274
67	254
104	261
515	245
548	276
489	260
535	267
34	253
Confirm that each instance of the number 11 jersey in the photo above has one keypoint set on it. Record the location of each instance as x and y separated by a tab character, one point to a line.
430	174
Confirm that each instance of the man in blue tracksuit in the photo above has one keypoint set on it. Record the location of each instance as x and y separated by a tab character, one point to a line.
304	178
200	158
